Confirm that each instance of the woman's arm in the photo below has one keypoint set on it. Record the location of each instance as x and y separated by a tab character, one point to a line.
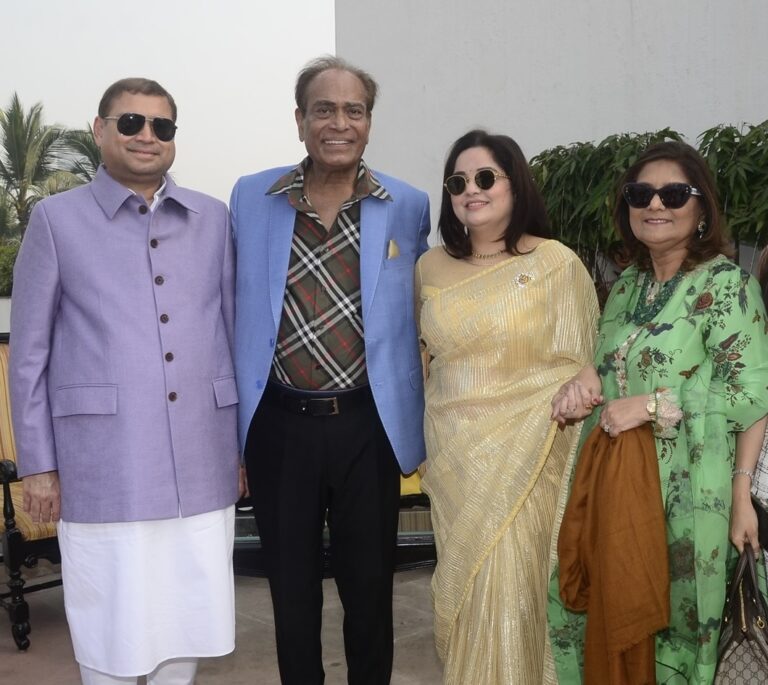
743	517
659	407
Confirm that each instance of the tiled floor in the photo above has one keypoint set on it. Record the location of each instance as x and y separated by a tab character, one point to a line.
49	660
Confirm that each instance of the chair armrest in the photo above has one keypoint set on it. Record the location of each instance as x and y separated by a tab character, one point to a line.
7	471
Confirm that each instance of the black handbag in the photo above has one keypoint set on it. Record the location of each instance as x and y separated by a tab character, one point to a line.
742	652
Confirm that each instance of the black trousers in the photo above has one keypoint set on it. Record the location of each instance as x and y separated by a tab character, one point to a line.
302	471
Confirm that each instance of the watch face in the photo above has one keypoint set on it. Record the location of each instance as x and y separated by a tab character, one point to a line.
650	406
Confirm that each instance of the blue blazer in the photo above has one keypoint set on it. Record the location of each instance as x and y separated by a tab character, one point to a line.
263	231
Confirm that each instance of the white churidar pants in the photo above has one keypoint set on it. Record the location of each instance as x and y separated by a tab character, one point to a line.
173	672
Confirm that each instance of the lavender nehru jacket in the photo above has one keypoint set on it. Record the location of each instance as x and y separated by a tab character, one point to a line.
121	373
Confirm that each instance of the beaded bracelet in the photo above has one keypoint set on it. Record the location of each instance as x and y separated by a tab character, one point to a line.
742	472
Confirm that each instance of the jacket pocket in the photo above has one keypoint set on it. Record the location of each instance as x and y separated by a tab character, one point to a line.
70	400
402	261
225	390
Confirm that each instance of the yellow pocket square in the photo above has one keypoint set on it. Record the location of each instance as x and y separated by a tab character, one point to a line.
393	250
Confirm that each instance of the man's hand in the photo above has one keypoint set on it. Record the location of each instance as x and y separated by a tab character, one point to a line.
42	497
242	484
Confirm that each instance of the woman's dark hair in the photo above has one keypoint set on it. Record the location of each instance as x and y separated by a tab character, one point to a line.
714	240
528	212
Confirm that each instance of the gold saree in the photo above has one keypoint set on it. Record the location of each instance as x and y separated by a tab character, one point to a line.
502	339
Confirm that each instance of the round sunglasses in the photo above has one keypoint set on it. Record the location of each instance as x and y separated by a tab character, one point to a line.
672	195
130	124
484	179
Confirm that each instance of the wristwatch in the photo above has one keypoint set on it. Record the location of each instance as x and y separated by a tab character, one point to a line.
651	405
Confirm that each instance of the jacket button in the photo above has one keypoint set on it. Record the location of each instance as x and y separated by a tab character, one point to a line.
169	356
172	396
164	318
143	209
153	242
159	280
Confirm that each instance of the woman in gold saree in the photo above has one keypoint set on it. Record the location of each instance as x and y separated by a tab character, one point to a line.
507	316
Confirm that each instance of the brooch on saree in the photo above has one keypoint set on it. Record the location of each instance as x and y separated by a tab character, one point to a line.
523	279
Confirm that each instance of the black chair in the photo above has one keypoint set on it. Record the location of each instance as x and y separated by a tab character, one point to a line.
24	542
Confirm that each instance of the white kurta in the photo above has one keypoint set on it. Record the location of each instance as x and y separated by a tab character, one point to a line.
139	593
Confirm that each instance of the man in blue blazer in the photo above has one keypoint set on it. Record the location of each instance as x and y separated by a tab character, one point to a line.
328	370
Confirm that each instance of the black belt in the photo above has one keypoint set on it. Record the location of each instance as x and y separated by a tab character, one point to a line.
309	403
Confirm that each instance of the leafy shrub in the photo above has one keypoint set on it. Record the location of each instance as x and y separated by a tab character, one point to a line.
738	158
8	252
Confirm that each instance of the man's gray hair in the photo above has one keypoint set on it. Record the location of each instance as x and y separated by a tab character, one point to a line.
321	64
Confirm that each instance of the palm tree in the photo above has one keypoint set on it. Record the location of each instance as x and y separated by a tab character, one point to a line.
86	155
31	152
8	225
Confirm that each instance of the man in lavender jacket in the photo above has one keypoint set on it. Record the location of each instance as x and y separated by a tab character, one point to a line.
124	400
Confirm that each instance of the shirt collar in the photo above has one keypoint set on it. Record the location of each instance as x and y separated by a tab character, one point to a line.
158	195
292	183
111	195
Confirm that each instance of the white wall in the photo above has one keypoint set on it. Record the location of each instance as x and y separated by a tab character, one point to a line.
550	72
230	65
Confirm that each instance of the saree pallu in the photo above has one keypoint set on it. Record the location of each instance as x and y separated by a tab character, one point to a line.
502	343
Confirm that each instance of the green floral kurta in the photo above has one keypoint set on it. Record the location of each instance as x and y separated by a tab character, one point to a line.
708	346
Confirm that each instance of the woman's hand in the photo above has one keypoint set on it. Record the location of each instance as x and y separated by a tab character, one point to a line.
743	517
623	414
576	398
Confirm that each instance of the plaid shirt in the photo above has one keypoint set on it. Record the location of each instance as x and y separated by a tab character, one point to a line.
320	343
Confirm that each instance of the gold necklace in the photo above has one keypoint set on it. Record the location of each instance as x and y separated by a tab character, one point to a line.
488	255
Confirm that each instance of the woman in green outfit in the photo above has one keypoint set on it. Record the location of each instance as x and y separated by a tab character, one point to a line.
682	344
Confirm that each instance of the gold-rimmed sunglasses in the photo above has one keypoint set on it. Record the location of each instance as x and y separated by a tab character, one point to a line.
484	179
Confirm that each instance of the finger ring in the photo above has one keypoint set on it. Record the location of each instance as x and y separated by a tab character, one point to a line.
571	408
607	428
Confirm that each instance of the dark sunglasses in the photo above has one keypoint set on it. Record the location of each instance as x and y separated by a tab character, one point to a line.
130	124
672	195
484	179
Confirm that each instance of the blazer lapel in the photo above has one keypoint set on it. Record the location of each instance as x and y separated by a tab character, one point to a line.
374	215
282	218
